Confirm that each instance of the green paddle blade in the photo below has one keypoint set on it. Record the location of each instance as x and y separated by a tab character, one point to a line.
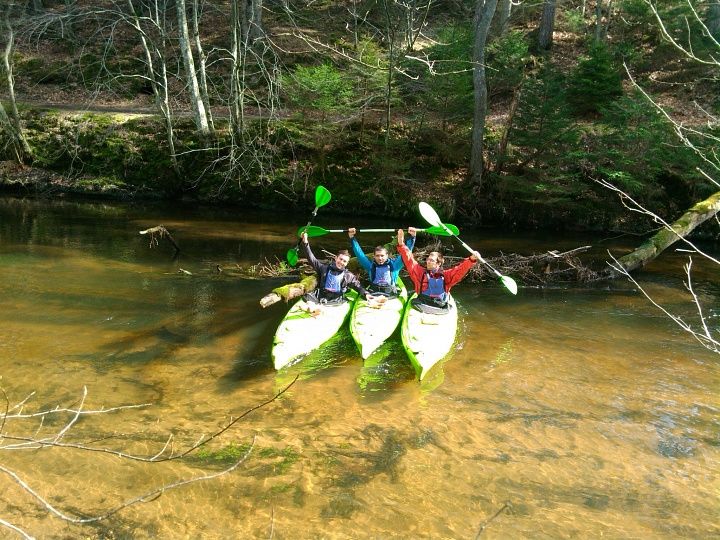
322	196
509	284
439	231
292	256
313	231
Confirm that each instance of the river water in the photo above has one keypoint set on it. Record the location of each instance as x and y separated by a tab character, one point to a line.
565	412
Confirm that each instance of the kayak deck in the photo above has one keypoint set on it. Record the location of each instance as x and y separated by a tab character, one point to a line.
300	332
371	326
428	338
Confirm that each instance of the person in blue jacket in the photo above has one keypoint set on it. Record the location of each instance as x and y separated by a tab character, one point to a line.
383	270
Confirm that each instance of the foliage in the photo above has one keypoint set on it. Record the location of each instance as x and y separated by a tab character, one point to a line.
574	20
506	59
543	130
321	88
595	82
657	161
368	74
449	88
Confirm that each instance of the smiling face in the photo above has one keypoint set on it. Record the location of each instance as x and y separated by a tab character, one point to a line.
434	261
381	255
341	261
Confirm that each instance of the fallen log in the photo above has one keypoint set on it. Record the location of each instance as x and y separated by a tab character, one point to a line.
289	291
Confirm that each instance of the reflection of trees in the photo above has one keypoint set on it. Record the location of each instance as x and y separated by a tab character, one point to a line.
21	430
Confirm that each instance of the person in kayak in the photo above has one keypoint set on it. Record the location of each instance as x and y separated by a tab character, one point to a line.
433	283
383	270
333	279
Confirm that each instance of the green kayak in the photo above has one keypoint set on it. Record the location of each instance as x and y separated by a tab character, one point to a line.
300	332
426	337
372	323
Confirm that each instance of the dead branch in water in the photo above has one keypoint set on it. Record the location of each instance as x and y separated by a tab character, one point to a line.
160	232
537	269
13	418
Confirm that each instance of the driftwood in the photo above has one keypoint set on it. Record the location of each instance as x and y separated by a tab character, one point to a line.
669	234
161	232
289	291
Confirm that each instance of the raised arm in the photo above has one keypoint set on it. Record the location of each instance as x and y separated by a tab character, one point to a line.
358	252
459	271
397	262
317	265
414	269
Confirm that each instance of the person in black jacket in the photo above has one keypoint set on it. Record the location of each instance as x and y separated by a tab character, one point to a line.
333	279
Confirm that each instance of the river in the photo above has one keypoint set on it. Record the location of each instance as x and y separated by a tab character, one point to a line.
565	412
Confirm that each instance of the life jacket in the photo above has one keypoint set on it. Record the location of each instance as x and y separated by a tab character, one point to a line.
381	279
433	285
333	282
381	274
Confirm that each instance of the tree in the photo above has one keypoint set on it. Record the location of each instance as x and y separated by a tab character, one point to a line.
502	18
11	122
151	32
595	82
547	25
704	143
484	11
320	89
199	106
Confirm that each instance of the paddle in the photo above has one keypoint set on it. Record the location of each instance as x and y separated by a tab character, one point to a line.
429	214
314	231
322	197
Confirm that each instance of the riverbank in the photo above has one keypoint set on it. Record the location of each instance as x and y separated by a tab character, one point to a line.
123	156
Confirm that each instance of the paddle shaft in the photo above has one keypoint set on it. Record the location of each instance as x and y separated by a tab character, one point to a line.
477	254
471	250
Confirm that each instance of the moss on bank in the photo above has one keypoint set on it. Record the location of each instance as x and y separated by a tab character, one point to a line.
125	156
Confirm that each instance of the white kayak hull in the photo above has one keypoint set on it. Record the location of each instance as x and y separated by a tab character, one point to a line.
428	338
300	332
371	326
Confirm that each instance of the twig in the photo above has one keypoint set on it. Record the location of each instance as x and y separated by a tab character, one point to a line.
508	504
16	529
30	442
147	497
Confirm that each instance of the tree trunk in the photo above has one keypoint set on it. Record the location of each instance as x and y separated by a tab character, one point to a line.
599	28
547	25
237	95
651	248
484	11
712	18
290	291
502	147
159	84
256	30
21	147
196	102
202	59
390	70
502	18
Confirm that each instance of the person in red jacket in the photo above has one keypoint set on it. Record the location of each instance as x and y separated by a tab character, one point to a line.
433	283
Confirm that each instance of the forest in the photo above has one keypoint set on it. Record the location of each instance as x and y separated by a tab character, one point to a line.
549	115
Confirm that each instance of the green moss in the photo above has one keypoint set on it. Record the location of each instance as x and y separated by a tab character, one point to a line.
226	455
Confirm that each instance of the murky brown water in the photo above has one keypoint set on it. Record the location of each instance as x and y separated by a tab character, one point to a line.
576	412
